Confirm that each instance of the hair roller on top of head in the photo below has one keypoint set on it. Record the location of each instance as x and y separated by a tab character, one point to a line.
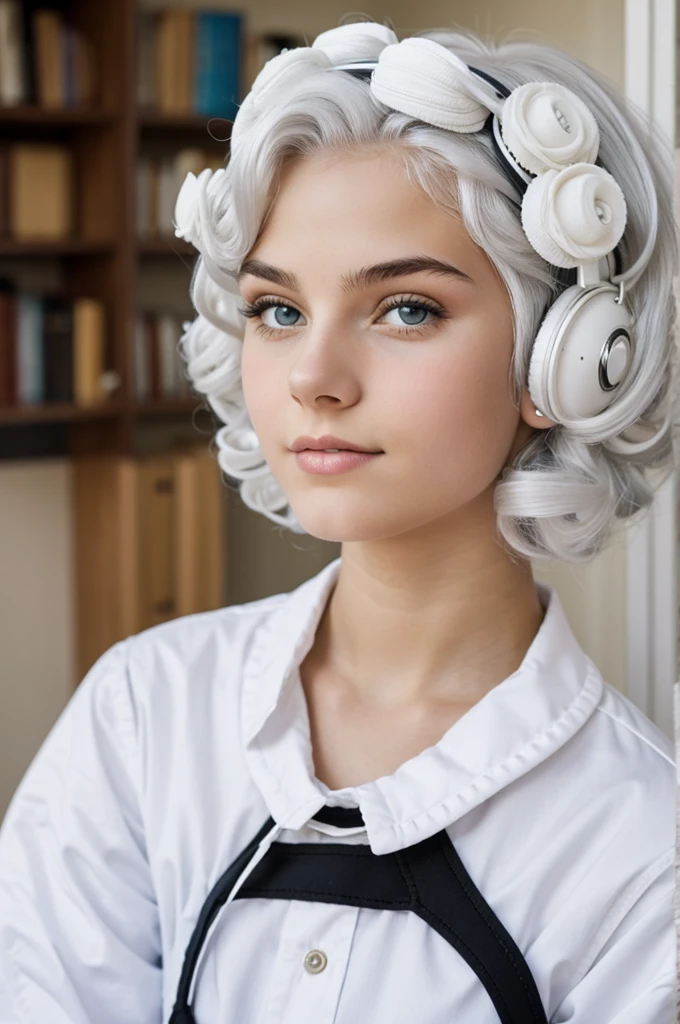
544	152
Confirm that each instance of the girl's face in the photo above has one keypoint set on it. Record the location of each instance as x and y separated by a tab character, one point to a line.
378	320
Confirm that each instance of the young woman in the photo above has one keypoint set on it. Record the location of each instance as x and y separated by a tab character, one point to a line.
435	311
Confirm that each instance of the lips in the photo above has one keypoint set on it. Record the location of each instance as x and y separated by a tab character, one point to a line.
306	443
330	463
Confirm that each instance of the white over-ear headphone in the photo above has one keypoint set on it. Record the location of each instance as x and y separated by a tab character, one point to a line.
585	344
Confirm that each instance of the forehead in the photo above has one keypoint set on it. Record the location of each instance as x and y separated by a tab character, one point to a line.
361	204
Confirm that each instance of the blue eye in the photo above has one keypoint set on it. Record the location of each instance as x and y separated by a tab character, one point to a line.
410	315
284	316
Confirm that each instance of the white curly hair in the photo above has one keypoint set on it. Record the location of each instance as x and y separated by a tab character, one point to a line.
560	495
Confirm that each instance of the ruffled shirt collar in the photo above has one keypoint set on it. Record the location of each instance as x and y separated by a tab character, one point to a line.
512	729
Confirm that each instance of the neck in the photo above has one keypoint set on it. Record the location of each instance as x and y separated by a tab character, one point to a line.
442	616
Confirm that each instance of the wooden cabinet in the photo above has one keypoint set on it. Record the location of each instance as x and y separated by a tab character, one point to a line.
149	544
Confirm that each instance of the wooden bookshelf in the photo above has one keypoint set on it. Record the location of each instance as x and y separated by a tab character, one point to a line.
59	117
57	412
154	120
62	247
104	258
164	246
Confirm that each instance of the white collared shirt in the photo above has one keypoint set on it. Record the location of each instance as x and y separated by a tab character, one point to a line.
556	791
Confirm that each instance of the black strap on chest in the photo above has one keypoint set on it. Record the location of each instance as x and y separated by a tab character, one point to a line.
429	879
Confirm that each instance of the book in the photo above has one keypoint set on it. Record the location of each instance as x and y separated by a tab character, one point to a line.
218	64
30	370
160	370
166	59
84	71
146	33
158	183
167	190
168	339
58	348
153	356
4	190
40	191
12	76
192	160
8	354
183	27
88	351
68	66
27	11
143	205
142	382
153	182
49	61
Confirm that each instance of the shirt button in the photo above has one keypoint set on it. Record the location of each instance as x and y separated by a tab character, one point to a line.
315	961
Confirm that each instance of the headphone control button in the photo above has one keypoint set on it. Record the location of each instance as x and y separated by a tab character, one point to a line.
617	362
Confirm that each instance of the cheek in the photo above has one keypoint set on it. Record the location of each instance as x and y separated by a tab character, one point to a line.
258	386
459	407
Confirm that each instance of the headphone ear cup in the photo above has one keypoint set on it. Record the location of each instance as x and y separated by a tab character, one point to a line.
540	354
581	354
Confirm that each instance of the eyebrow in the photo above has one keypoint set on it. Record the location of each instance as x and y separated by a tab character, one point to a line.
362	278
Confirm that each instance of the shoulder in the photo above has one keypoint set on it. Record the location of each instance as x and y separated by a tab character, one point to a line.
173	671
620	768
633	735
191	641
618	826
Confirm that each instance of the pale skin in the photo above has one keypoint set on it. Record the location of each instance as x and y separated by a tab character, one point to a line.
430	611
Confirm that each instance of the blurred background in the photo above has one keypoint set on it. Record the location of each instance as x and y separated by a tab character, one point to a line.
112	513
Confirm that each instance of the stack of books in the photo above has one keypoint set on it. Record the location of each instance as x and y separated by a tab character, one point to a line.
159	179
160	371
52	349
190	62
44	60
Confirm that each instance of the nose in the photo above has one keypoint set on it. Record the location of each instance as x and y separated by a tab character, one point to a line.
323	367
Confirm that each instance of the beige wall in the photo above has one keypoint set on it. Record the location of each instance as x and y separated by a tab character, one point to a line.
36	616
591	30
36	609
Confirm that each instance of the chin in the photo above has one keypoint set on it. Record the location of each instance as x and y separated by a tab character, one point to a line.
336	521
328	529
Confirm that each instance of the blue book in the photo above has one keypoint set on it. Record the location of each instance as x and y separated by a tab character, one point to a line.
30	376
218	64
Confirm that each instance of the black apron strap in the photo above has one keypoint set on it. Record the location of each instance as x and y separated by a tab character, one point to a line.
215	900
428	879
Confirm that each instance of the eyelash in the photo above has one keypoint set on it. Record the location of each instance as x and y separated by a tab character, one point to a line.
254	309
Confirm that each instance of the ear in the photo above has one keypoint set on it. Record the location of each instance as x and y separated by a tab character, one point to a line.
530	416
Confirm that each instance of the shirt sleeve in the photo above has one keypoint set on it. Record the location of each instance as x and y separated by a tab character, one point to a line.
79	928
633	979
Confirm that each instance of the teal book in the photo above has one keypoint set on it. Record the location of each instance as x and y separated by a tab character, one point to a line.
218	64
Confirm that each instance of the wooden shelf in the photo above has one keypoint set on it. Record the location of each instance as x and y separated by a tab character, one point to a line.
55	116
105	142
168	407
53	247
216	129
165	246
56	412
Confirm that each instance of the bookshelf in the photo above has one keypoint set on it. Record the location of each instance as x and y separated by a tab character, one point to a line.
103	257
